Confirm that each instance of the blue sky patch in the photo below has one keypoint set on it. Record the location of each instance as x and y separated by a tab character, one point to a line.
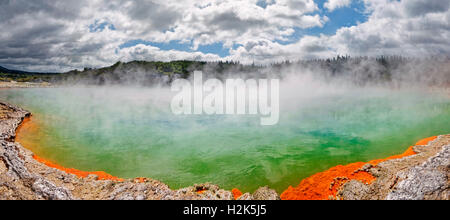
340	17
98	27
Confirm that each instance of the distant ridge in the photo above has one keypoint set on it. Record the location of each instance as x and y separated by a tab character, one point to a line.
383	70
6	70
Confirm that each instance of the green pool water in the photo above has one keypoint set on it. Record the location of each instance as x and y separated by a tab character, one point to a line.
131	132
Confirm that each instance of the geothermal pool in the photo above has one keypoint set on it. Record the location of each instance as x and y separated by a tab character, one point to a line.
131	132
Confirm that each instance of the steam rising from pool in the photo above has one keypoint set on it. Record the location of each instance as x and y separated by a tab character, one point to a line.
131	132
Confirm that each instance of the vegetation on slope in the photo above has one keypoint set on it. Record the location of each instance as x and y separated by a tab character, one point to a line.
359	70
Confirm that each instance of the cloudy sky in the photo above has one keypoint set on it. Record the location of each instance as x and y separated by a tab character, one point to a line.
51	35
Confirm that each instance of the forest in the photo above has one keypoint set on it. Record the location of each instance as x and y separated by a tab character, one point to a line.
359	70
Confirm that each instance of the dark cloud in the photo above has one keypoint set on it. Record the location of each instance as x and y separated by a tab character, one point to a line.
231	21
159	17
67	9
421	7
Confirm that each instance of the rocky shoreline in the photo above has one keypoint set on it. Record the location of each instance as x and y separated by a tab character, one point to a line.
24	178
424	175
16	85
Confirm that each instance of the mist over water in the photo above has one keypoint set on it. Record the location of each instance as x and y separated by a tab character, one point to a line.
131	132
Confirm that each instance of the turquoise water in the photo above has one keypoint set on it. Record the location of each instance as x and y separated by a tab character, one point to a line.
131	132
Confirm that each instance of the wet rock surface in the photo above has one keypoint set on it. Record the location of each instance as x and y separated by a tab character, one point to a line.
423	176
426	181
16	180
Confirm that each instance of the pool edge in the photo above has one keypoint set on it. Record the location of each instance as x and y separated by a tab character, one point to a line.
64	179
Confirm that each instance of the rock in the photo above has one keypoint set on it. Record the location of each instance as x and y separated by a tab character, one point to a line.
92	177
353	190
246	196
422	176
375	171
50	191
265	193
426	180
367	167
203	192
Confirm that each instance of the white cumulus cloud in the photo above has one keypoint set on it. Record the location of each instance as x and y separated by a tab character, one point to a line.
44	35
331	5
